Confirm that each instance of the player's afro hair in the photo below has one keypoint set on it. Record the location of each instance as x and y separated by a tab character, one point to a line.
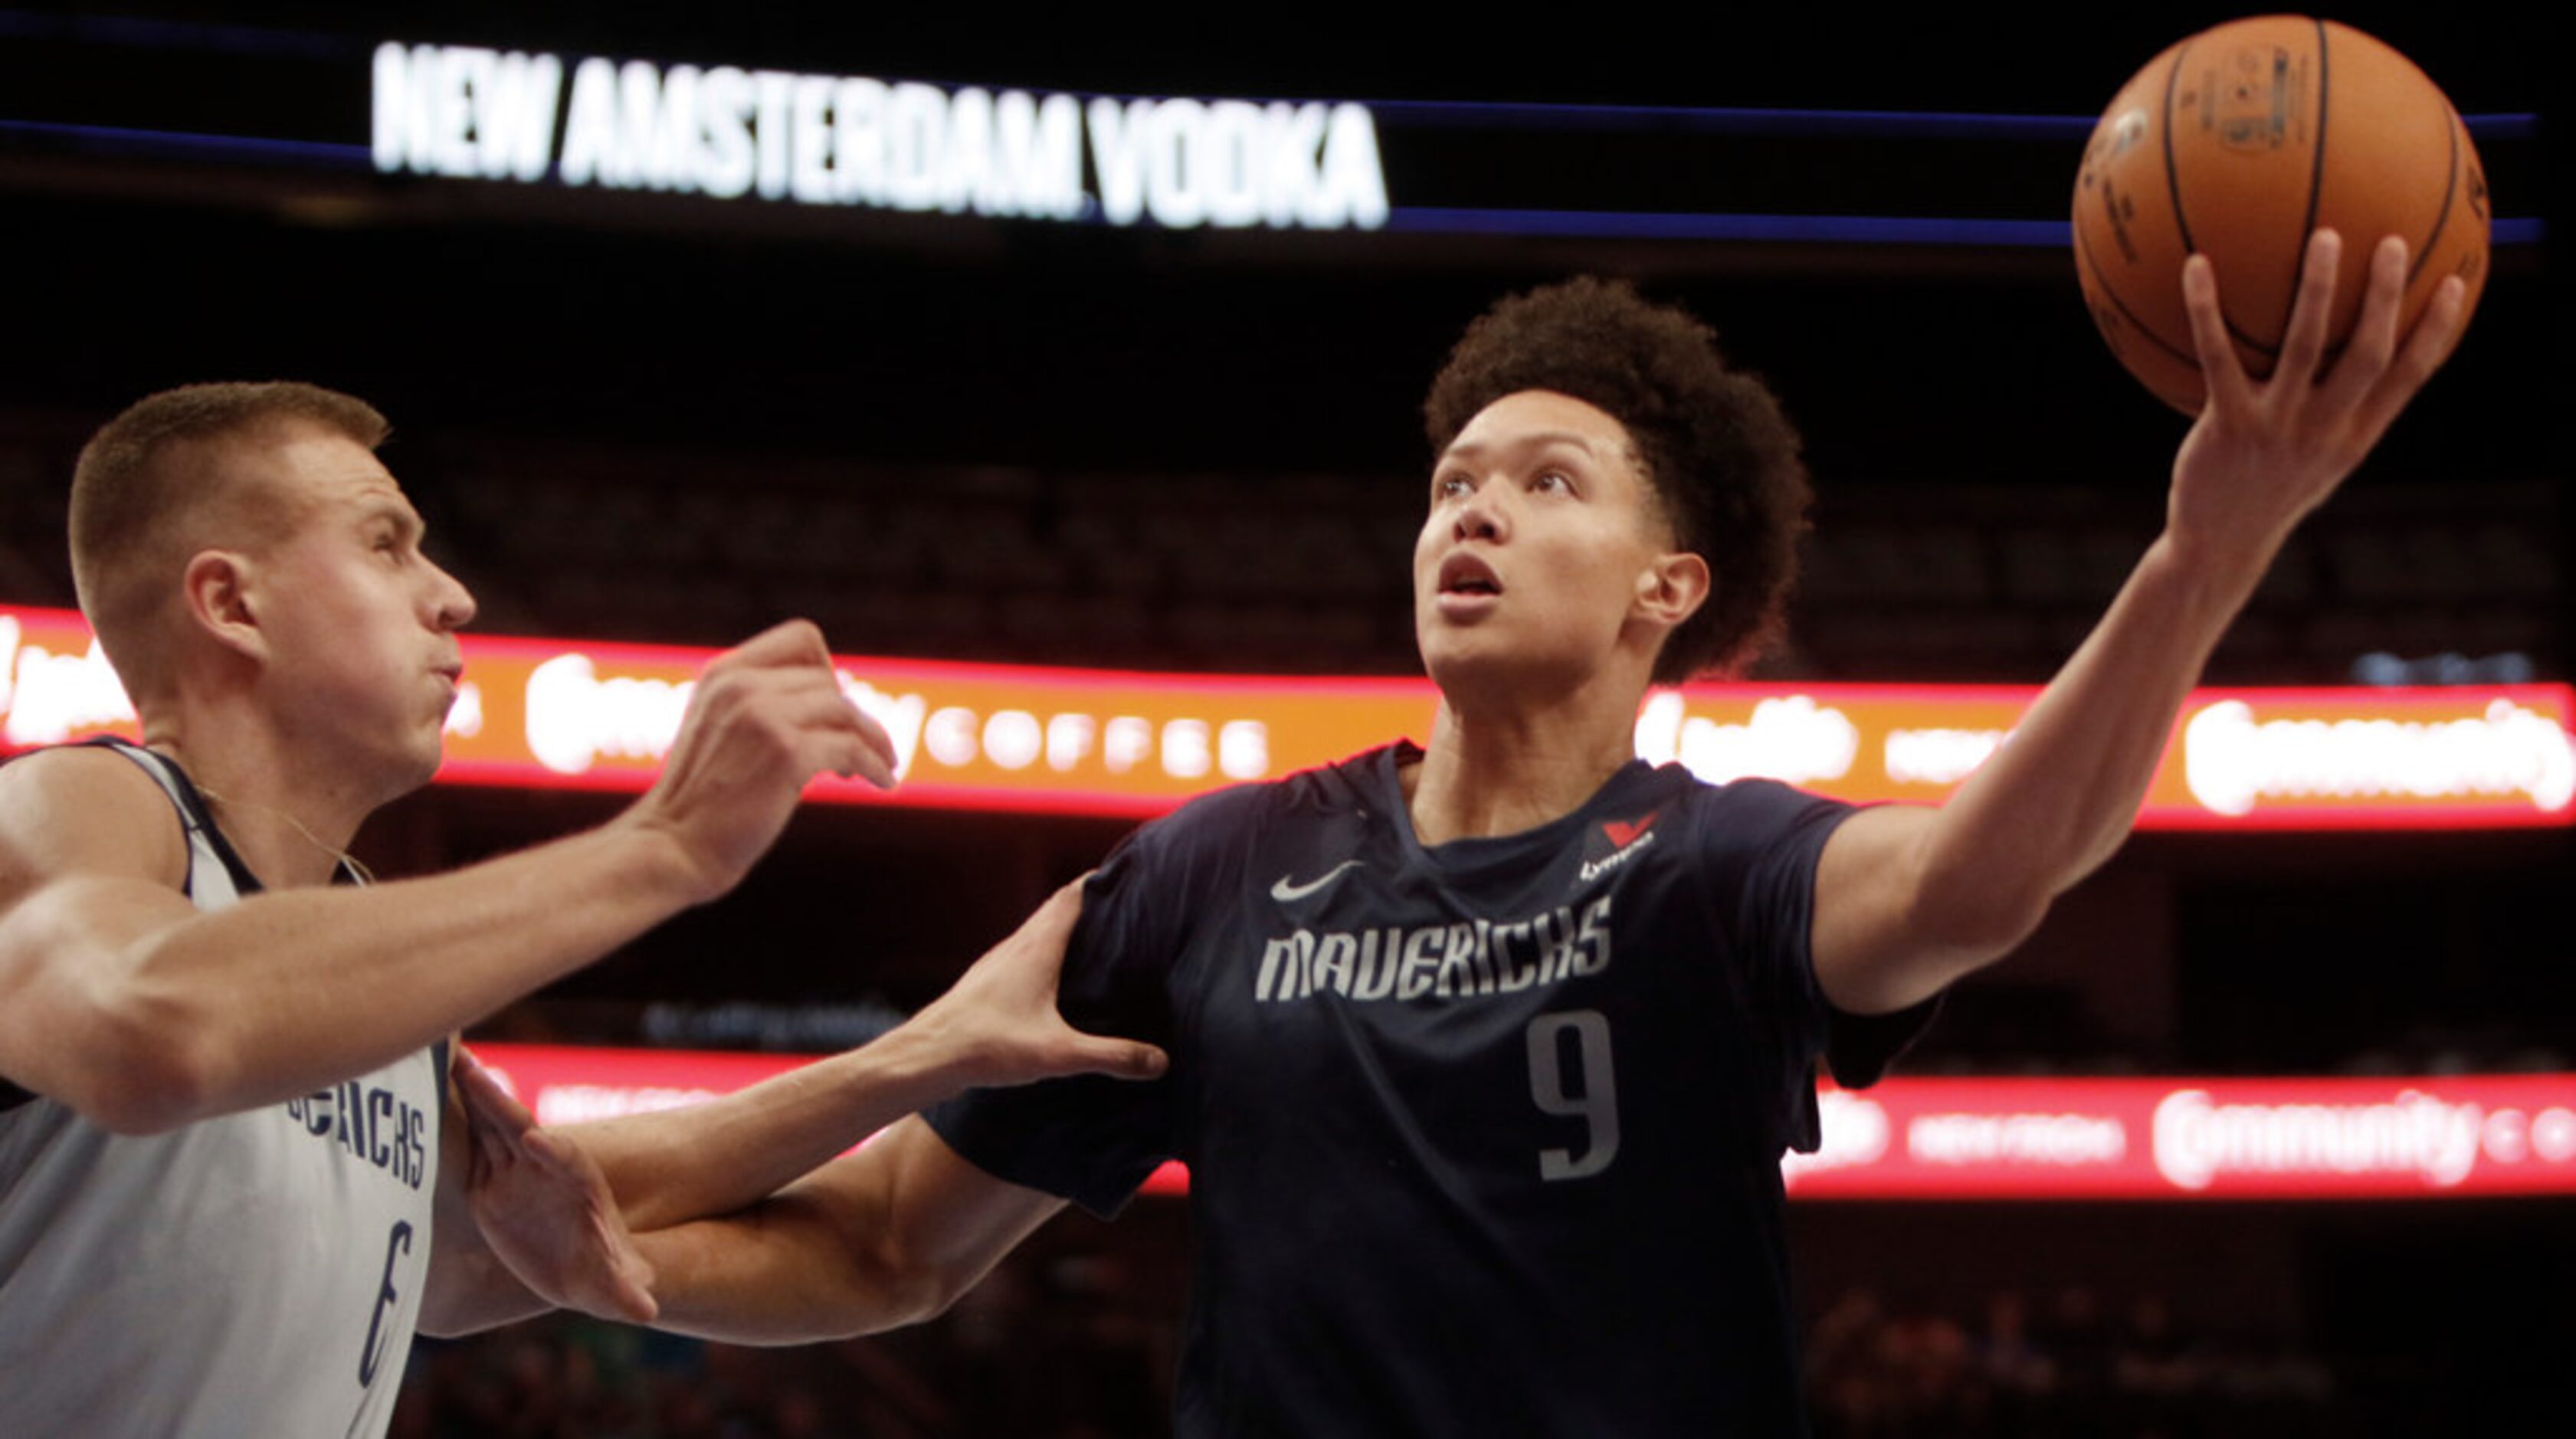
1722	457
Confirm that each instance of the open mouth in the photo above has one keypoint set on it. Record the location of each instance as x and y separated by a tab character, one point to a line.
1465	574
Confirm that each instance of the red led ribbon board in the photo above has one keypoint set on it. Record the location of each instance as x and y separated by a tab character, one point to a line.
1911	1139
560	714
2313	1138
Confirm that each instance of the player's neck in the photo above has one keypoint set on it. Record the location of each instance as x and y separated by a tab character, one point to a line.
1505	770
288	817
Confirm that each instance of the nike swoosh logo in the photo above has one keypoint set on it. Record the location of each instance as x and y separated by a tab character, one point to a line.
1283	891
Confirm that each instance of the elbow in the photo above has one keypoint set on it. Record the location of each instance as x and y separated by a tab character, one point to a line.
1995	925
94	1026
1978	904
788	1272
908	1292
1967	922
149	1100
435	1323
440	1321
904	1285
1936	951
1977	942
940	1296
144	1071
469	1297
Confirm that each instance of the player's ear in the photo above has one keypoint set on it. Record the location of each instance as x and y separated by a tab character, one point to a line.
216	590
1672	588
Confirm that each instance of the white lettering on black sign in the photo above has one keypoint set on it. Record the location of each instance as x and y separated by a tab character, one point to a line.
461	112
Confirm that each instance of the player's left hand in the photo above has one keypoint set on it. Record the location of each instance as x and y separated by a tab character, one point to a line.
999	1023
545	1209
2266	452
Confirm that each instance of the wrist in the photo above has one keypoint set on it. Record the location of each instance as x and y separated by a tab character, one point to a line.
653	856
935	1052
2210	577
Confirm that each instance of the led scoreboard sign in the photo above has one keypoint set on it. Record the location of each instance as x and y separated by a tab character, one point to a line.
359	117
2429	1137
469	113
564	714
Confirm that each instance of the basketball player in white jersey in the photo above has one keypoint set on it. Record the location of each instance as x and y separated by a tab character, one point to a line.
1484	1055
227	1128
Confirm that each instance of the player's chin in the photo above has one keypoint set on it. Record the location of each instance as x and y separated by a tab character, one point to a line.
1462	657
422	759
1438	643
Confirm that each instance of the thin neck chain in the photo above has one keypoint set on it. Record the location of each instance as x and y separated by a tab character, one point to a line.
356	866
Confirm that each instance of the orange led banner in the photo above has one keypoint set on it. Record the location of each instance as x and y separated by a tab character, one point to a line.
566	714
1940	1138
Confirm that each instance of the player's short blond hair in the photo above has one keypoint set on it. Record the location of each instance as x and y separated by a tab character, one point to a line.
151	490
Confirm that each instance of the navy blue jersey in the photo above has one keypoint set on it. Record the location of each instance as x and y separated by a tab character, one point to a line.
1483	1138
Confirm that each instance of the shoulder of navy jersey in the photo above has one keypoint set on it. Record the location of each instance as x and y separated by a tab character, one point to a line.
1218	829
1858	1048
1195	867
1342	785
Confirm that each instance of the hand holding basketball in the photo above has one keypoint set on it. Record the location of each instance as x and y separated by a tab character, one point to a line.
2265	452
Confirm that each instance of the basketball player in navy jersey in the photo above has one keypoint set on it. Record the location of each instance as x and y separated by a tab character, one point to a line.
227	1128
1484	1055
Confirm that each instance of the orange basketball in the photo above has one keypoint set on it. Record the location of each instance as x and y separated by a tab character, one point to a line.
2239	142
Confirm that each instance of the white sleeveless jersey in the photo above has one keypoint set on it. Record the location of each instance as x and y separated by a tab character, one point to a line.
257	1274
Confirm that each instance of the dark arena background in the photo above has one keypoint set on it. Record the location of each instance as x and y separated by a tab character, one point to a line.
1119	424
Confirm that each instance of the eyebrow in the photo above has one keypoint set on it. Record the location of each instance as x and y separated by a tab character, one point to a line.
1540	440
405	519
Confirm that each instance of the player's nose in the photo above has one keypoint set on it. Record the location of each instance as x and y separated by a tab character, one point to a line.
451	604
1481	517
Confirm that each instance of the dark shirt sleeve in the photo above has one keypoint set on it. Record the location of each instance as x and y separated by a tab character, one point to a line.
1092	1139
1860	1047
1762	843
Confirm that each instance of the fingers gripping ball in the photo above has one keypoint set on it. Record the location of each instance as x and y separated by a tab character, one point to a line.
2238	143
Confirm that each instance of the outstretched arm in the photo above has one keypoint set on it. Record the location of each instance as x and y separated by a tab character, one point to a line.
122	1000
998	1025
1909	899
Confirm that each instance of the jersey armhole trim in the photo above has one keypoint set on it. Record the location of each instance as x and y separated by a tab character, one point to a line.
13	1095
194	822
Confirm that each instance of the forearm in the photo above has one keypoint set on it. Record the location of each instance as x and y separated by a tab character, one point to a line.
292	991
998	1025
886	1237
2055	802
676	1165
792	1269
1911	899
1908	900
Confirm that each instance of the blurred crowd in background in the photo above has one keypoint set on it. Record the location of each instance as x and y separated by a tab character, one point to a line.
1055	1347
